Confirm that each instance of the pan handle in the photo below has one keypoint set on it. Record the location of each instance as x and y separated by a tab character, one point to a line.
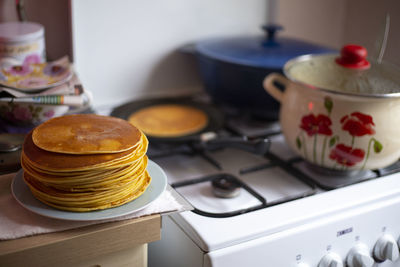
258	146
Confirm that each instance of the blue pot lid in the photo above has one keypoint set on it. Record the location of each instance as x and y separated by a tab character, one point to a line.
258	51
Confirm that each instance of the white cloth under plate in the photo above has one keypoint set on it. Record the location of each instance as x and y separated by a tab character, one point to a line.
16	221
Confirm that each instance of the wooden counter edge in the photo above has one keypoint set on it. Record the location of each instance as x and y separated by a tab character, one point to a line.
94	239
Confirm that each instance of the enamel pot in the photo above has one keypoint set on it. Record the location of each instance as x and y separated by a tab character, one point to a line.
340	112
233	68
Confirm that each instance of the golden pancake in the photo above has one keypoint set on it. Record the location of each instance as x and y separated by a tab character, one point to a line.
83	202
169	120
92	181
59	162
86	134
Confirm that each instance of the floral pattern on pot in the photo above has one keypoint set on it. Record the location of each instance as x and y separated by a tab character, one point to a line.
343	155
358	124
346	155
316	125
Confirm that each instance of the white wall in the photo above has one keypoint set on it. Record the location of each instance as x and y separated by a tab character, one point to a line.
318	21
337	22
128	49
365	22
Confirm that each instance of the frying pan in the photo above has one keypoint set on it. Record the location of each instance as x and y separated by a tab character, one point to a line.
207	137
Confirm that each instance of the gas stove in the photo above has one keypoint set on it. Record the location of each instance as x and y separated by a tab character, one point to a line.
273	208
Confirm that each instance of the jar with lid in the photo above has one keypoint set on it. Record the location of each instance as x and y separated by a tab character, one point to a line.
21	43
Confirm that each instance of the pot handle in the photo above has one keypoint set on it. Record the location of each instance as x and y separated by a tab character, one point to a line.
271	88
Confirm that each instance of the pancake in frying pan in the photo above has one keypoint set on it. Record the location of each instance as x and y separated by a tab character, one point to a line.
169	120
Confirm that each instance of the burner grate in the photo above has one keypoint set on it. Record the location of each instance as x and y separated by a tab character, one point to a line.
331	179
215	177
251	127
265	203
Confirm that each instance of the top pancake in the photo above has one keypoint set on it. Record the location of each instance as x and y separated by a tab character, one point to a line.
169	120
86	134
62	162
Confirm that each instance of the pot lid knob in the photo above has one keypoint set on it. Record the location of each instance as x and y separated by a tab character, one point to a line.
271	30
354	57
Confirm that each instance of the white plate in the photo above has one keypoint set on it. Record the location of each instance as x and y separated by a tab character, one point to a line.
36	77
157	186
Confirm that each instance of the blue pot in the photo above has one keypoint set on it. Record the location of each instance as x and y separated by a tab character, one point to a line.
233	69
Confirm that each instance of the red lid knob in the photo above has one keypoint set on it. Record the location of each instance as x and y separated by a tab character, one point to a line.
354	57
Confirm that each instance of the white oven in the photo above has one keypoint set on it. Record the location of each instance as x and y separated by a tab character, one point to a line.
276	211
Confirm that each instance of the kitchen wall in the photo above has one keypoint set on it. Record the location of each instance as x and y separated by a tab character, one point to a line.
131	49
344	21
365	22
125	49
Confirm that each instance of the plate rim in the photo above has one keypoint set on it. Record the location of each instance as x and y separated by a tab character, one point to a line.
38	88
158	184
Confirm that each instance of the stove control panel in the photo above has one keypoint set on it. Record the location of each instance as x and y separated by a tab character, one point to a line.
368	236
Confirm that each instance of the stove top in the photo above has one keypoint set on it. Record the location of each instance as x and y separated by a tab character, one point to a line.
266	180
263	171
253	193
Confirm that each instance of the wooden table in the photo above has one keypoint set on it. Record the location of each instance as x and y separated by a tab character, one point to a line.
122	243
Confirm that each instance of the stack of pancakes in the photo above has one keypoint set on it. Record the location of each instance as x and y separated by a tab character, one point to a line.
85	162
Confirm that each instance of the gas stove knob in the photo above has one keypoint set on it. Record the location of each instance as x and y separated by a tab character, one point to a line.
386	248
359	257
331	260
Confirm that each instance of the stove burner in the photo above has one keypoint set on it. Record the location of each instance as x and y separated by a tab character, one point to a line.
225	187
331	179
252	127
232	180
389	169
344	174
